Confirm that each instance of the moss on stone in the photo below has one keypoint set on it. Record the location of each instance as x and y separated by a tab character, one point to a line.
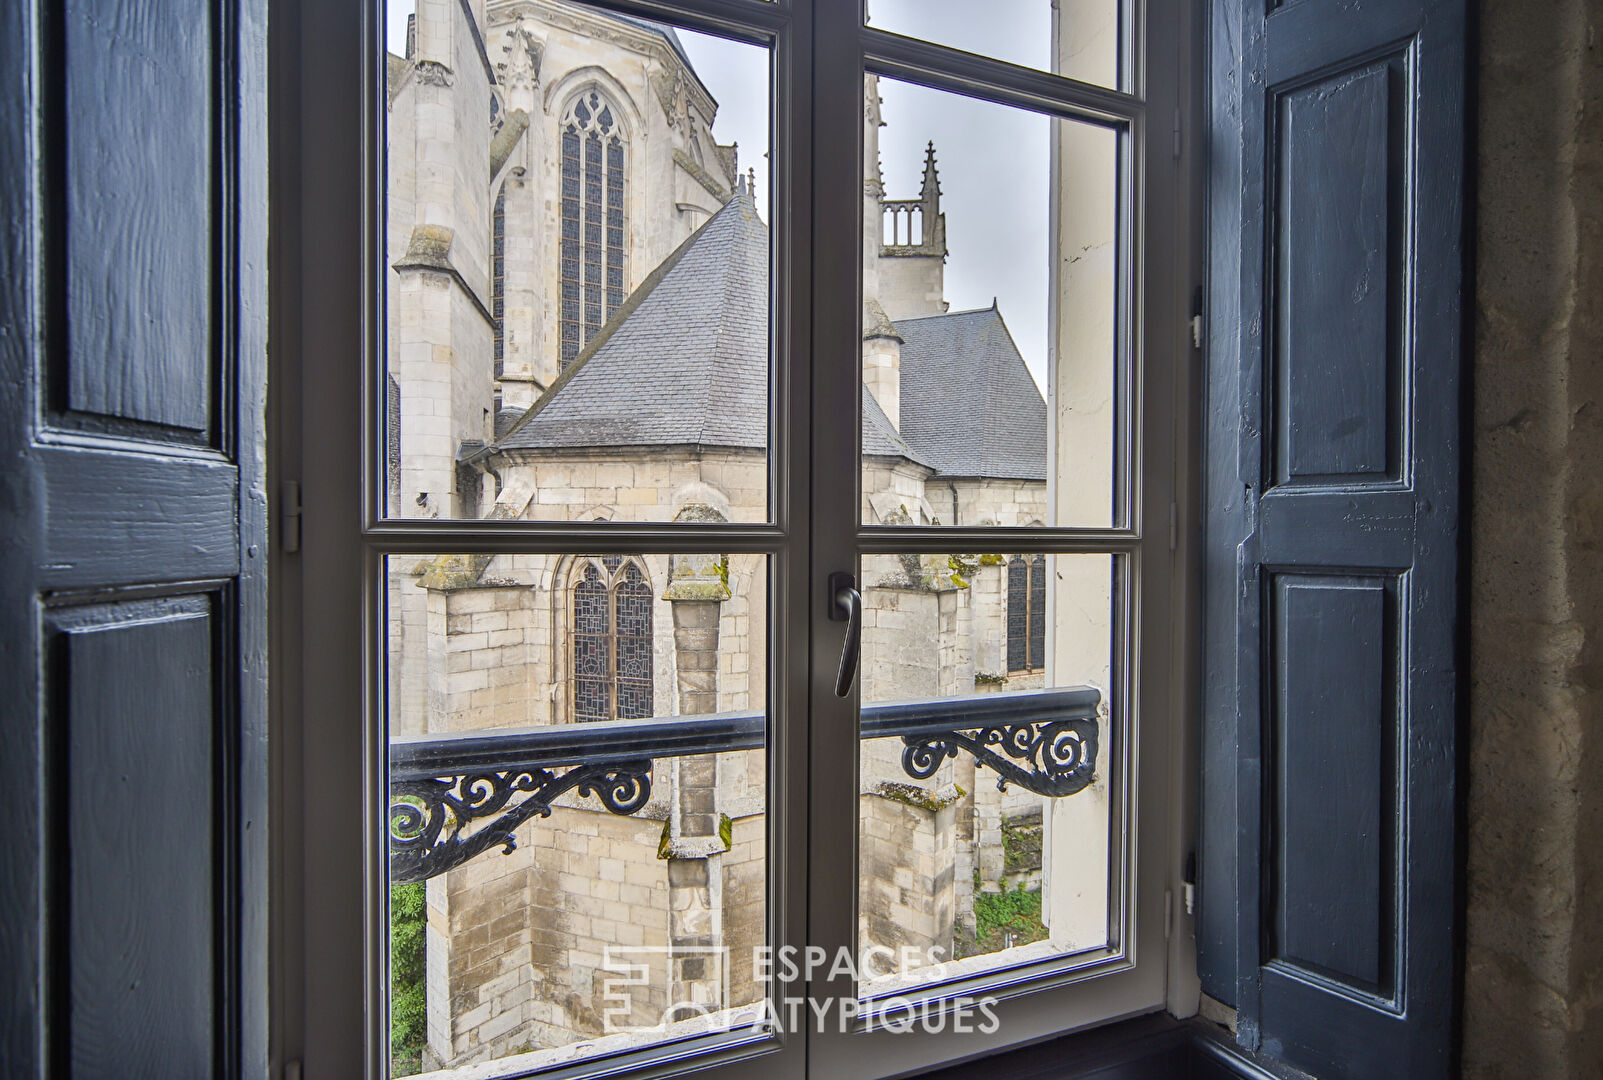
667	849
917	797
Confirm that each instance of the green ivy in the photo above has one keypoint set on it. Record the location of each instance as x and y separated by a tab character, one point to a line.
407	1016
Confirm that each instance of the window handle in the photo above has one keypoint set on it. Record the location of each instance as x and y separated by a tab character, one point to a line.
846	605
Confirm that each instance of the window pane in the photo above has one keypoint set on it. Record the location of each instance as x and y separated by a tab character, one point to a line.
992	378
531	238
985	787
1018	31
523	693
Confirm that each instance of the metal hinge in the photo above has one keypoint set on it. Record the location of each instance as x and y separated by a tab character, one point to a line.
292	1070
1196	318
1174	525
289	515
1168	914
1177	133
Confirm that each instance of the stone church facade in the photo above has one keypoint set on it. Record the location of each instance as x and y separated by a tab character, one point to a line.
578	329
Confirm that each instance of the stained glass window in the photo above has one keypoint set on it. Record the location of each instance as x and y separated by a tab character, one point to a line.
612	641
1026	613
592	683
592	249
498	240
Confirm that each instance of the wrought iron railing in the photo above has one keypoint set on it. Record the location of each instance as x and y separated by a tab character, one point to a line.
442	786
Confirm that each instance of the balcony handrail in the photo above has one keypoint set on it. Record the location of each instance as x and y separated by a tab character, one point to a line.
442	785
457	753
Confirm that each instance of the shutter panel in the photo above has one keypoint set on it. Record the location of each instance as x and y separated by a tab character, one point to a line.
1329	844
133	631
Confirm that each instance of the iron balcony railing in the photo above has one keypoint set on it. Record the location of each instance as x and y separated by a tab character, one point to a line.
455	796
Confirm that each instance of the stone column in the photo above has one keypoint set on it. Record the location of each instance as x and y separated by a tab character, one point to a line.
697	836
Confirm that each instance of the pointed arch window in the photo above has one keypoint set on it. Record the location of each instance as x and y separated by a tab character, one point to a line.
1026	613
498	265
590	274
612	677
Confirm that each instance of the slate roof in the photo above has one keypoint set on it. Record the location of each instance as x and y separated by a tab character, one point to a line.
969	405
685	362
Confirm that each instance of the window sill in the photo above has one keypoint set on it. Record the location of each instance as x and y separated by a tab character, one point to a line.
1155	1047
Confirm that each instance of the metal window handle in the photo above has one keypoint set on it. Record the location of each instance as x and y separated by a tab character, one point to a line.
846	605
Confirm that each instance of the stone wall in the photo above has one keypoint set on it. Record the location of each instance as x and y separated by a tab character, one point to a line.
1534	968
518	944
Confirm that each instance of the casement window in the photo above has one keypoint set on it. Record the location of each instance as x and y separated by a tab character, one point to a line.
1180	317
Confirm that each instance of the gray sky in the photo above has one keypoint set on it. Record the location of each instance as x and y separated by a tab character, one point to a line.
992	159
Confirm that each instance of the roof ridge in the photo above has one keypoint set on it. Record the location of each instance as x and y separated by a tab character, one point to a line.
947	314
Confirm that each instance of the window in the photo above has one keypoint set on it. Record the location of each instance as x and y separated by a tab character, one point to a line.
592	245
612	640
1026	613
785	391
498	272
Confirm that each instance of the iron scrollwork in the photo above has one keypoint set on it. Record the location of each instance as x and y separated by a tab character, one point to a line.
1059	756
428	818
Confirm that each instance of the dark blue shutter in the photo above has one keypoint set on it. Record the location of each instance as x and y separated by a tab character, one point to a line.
1329	847
133	539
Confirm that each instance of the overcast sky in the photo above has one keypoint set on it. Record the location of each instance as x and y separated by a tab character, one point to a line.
992	159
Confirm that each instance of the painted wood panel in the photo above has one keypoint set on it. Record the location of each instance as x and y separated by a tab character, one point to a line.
1333	776
1335	361
133	627
1332	546
120	518
137	204
140	731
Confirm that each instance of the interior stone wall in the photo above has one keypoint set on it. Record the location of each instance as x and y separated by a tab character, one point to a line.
1534	967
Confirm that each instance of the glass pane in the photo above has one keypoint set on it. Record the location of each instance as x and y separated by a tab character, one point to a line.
577	253
987	770
1076	38
991	369
543	702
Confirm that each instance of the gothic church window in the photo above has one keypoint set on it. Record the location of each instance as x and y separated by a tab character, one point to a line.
591	255
1026	613
498	240
612	678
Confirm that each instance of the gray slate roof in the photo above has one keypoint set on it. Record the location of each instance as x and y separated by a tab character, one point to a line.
969	405
685	363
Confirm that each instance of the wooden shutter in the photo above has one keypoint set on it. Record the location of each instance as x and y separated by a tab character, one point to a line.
1337	213
133	629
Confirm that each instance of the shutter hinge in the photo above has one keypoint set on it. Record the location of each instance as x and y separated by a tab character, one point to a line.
1188	885
1174	525
289	515
1168	914
292	1070
1177	133
1196	318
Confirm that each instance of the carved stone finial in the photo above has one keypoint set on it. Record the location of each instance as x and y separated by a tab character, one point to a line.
932	180
520	70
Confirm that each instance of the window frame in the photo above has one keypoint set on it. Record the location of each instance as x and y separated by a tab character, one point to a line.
329	914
